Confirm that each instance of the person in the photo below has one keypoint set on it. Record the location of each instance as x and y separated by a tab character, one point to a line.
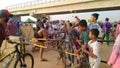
107	29
114	60
93	24
94	49
4	17
117	32
84	36
41	32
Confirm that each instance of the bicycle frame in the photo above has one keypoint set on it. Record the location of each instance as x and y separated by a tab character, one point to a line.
6	55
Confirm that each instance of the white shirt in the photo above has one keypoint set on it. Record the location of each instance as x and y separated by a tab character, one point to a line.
95	49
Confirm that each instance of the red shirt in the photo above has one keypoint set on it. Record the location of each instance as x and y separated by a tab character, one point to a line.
12	29
2	34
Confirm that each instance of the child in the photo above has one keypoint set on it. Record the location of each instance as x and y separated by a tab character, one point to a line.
94	49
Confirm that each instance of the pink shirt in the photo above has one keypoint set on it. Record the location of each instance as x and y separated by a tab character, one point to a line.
115	55
117	30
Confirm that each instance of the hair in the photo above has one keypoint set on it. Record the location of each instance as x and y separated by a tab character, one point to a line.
71	24
95	32
83	23
96	15
107	19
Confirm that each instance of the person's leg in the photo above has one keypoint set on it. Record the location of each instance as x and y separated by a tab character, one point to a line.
107	38
72	57
41	52
68	48
103	37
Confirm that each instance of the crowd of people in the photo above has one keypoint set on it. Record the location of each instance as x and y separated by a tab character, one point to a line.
86	32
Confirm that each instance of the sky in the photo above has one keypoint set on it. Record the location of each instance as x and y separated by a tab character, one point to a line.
112	15
5	3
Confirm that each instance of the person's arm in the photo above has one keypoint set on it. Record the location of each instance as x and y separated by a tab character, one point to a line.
77	18
89	53
74	26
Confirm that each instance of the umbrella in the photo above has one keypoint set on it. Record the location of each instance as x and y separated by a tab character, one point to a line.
29	21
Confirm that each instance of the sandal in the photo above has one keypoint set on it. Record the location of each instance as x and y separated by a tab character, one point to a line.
44	60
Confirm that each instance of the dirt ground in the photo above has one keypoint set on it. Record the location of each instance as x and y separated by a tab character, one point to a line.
52	55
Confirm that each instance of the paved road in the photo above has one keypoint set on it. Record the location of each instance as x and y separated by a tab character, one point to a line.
52	58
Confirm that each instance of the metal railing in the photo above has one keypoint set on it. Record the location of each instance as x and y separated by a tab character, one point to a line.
33	3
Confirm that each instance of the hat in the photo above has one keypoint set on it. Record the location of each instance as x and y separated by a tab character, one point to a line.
95	15
5	13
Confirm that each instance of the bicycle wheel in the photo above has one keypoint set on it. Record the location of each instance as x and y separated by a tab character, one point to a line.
25	61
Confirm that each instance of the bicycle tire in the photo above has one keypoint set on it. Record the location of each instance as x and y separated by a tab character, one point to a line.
23	64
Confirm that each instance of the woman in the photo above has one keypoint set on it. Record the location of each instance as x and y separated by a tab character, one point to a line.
114	60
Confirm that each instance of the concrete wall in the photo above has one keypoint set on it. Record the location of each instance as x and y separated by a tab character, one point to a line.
69	6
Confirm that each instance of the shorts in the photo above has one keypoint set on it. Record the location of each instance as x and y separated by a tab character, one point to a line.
38	36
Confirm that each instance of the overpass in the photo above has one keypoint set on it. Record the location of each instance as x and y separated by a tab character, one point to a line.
49	7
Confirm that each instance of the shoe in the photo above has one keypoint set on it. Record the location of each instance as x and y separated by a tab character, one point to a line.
70	64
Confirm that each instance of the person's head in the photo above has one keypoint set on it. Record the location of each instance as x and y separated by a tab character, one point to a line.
4	16
94	17
38	20
93	34
83	25
107	19
43	19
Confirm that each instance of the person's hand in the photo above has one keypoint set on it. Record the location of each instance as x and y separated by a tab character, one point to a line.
109	66
8	40
76	16
72	28
76	51
83	49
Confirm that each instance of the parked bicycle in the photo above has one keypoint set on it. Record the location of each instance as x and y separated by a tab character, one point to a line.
24	60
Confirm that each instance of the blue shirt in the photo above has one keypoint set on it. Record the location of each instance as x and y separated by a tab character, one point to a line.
95	26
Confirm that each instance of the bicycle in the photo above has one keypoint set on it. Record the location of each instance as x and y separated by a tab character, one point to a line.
21	57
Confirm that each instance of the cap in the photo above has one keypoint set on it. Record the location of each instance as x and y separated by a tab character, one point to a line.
95	15
5	13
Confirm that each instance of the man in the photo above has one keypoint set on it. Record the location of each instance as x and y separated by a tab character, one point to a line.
84	36
107	29
94	23
4	17
41	32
